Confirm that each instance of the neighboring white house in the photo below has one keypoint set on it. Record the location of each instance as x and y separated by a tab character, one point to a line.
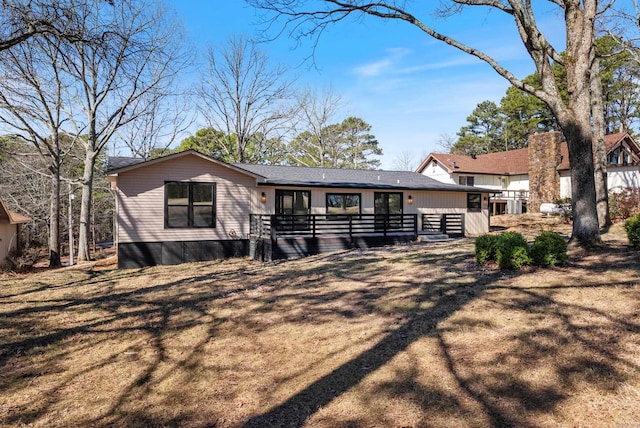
623	165
505	172
508	172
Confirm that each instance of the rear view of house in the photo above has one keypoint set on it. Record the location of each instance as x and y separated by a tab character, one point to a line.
190	207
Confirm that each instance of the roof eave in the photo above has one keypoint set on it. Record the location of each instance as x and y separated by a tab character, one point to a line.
115	172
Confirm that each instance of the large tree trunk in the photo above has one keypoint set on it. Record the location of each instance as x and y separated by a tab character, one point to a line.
54	218
599	148
576	120
84	234
585	216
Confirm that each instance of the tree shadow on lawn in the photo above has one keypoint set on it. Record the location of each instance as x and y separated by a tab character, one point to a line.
39	343
575	356
446	298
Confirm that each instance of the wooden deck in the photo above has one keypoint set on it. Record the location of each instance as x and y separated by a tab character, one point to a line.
275	237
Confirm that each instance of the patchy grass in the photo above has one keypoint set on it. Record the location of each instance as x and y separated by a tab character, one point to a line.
402	336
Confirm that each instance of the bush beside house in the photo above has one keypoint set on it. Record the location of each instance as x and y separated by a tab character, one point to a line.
511	251
632	227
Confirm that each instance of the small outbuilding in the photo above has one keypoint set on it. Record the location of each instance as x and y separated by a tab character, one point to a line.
10	227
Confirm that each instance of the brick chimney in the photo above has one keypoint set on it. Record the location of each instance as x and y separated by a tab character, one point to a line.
544	179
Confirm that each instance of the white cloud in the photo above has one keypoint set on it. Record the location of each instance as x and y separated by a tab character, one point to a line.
388	63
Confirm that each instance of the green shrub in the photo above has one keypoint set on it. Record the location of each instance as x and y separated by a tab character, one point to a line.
486	248
549	249
632	227
512	251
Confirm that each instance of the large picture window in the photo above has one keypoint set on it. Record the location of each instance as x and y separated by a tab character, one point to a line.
343	203
189	205
474	202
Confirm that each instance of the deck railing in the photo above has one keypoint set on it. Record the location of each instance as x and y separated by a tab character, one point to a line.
450	224
270	225
512	194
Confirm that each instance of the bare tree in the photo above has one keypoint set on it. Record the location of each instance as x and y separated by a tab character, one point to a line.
31	106
245	97
165	120
24	179
447	142
21	20
314	113
118	81
404	161
310	18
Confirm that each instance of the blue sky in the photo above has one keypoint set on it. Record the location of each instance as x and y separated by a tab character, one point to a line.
411	88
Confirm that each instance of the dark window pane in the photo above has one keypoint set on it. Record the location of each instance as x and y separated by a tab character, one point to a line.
203	216
202	194
474	201
395	203
466	180
177	193
343	203
178	216
334	201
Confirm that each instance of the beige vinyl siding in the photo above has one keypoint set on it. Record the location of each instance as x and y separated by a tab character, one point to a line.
141	204
8	239
432	202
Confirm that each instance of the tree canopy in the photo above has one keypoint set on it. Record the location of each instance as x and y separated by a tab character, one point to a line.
348	144
506	126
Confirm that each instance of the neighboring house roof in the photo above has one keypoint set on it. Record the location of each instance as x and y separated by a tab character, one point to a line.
309	177
510	162
13	217
611	141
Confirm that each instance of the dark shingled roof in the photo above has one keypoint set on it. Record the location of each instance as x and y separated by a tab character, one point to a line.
348	178
117	162
299	176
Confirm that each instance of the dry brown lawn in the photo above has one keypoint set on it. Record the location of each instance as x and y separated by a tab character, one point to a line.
407	336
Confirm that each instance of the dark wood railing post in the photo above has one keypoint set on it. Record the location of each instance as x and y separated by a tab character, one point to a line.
387	220
443	223
274	228
415	225
313	222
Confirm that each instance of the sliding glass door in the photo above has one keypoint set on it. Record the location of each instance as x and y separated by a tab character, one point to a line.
292	208
388	210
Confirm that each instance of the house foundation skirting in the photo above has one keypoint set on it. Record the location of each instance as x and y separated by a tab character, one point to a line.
141	254
266	249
